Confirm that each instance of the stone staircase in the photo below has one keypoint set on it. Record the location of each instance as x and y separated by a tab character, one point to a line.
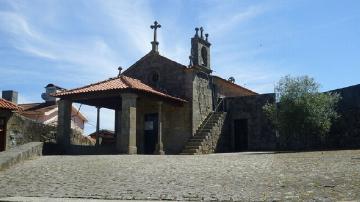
207	135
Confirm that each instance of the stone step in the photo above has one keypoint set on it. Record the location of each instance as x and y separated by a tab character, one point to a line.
213	117
208	127
192	147
200	140
190	151
203	133
194	143
209	122
196	140
204	130
204	137
199	137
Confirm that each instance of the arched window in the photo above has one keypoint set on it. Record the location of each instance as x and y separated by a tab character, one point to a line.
204	56
154	78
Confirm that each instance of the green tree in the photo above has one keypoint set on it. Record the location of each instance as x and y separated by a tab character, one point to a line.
301	113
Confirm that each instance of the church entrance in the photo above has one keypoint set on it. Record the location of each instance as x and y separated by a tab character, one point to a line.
151	132
240	134
2	134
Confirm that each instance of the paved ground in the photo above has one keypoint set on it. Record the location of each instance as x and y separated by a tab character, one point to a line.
244	176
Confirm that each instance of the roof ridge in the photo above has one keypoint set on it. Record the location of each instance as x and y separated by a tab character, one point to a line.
151	53
234	84
124	82
91	84
31	103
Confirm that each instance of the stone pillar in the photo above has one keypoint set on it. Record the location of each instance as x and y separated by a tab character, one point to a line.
127	139
97	126
118	128
159	146
64	123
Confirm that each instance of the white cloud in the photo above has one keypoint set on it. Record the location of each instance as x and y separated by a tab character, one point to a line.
88	54
132	18
240	58
221	19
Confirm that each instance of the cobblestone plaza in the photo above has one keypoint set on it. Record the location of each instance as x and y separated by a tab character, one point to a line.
318	176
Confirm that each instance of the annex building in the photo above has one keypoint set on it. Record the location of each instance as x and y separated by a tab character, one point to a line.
164	107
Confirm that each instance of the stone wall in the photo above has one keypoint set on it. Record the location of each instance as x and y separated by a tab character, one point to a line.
21	130
202	98
21	153
172	76
176	127
261	135
345	131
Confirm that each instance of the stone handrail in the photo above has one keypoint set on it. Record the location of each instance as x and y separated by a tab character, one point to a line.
208	118
21	153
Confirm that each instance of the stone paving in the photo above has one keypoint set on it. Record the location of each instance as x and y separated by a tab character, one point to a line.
310	176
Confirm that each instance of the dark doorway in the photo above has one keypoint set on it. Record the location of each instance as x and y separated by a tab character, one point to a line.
2	134
151	132
241	134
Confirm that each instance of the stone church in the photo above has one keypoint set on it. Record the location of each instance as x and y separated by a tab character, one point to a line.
164	107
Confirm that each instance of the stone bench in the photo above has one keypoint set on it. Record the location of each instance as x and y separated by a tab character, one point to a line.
19	154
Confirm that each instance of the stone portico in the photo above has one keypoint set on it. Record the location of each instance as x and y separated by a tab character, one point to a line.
131	101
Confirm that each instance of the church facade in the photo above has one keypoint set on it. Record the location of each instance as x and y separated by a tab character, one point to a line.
163	107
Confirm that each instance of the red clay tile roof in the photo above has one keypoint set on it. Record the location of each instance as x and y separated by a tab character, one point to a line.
233	85
38	108
117	83
4	104
41	108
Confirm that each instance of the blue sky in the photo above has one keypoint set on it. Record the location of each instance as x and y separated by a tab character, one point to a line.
75	42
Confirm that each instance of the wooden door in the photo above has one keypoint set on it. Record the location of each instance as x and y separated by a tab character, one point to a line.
151	132
241	134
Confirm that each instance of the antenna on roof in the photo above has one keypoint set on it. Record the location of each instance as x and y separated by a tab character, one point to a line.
231	79
120	69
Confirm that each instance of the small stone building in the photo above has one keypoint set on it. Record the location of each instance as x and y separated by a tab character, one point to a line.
164	107
7	108
20	124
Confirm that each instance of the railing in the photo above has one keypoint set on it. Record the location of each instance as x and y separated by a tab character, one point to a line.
211	114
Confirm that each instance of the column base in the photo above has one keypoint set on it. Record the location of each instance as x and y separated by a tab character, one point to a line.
132	150
159	150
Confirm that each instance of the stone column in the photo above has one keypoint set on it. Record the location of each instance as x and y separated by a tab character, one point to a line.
118	128
97	126
159	146
64	123
127	139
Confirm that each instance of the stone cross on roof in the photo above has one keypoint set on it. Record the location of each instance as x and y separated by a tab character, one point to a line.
155	43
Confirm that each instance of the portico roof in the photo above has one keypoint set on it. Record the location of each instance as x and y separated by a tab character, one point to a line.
120	84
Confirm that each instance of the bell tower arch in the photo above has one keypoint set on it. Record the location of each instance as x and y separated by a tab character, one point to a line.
200	51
